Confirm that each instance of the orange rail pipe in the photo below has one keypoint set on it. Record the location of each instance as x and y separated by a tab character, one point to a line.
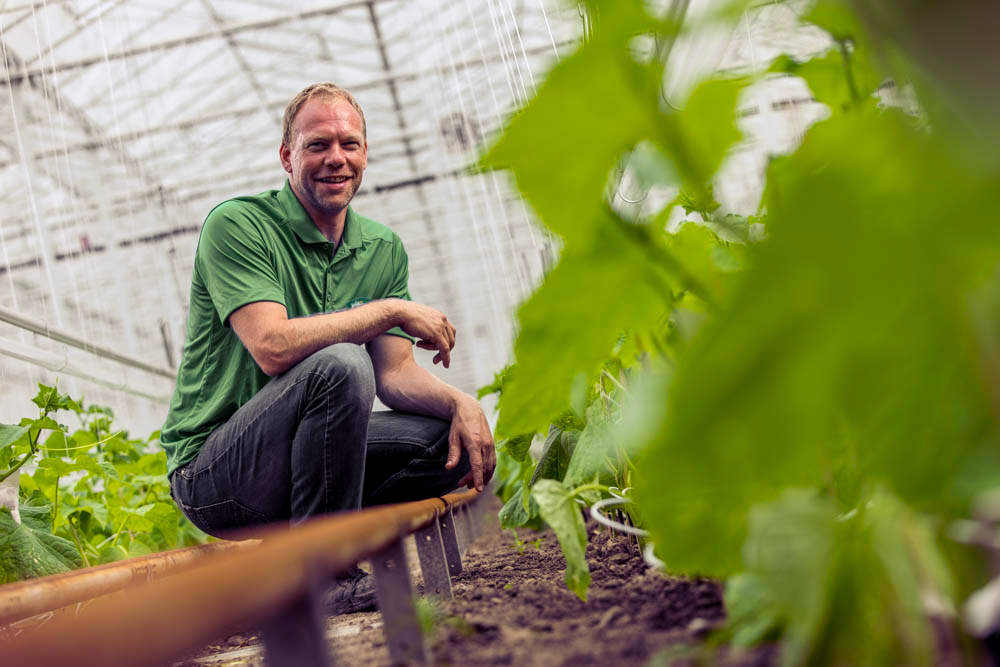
221	593
23	599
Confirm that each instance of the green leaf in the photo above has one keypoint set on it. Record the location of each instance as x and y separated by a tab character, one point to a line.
165	517
9	434
61	468
697	139
841	79
651	167
495	387
589	453
847	588
730	228
57	444
46	423
836	18
837	336
555	455
562	167
27	552
559	509
574	320
518	446
36	513
513	514
95	508
752	614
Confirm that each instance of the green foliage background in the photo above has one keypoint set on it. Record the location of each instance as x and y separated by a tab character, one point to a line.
94	496
809	394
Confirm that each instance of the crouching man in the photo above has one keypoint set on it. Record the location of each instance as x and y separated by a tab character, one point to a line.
300	315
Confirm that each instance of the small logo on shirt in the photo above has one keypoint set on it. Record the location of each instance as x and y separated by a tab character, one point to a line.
360	301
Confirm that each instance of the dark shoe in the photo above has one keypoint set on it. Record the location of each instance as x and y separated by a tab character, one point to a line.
352	592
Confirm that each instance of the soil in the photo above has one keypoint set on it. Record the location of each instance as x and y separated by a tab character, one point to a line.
511	607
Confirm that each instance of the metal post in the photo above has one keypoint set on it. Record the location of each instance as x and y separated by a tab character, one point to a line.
450	541
471	526
461	528
395	601
296	636
433	561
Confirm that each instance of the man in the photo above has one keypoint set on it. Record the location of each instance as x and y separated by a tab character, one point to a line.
271	419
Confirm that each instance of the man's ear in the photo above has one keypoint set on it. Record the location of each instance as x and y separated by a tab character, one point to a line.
285	155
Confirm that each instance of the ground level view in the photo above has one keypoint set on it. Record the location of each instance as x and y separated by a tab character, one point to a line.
511	607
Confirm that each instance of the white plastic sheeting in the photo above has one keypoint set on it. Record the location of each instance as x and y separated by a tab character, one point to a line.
123	122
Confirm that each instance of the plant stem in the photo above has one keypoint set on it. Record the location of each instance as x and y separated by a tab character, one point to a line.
55	505
590	487
14	468
79	546
855	96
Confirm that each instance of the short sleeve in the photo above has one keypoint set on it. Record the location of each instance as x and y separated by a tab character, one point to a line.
234	261
400	285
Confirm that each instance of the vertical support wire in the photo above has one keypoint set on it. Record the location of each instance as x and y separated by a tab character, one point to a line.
462	195
492	218
548	29
53	97
45	259
13	111
495	178
503	57
500	316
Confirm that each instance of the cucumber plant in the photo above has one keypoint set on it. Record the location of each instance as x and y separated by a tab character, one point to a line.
808	394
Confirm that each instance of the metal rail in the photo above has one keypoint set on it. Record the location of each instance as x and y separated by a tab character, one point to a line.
24	599
43	328
275	586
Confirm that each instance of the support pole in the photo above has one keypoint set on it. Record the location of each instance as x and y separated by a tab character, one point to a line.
450	541
433	561
297	637
395	601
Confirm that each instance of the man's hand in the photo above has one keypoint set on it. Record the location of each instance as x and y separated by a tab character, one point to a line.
469	429
432	329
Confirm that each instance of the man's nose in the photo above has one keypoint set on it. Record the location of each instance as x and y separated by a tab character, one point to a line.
334	155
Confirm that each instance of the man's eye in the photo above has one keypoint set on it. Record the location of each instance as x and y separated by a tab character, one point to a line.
316	145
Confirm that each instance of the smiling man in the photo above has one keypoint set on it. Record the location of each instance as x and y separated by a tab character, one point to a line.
300	315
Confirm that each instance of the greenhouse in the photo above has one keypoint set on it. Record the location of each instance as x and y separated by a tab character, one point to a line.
540	332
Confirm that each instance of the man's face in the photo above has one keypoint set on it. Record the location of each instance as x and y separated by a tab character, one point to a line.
327	157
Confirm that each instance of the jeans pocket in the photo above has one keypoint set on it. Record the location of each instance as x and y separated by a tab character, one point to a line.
224	516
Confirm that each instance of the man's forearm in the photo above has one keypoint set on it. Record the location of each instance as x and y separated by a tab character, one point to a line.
278	343
411	388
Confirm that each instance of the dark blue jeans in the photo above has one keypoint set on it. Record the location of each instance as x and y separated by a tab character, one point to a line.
308	444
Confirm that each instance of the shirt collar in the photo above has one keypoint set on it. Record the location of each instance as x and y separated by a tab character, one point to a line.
306	229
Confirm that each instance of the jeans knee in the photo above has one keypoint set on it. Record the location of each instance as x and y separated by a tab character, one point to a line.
346	368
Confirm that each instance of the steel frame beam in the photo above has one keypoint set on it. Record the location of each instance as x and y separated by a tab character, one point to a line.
226	30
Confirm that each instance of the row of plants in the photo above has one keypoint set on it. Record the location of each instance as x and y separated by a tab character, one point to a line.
83	496
803	396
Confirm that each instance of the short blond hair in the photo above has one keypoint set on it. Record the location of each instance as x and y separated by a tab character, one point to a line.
329	91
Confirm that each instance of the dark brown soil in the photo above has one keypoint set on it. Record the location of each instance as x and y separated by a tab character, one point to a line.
512	607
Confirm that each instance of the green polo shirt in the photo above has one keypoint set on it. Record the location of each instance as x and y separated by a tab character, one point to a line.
266	248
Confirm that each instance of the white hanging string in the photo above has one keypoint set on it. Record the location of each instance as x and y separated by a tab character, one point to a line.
494	220
32	202
126	311
3	239
503	57
492	217
503	35
548	28
460	186
50	90
520	42
498	116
